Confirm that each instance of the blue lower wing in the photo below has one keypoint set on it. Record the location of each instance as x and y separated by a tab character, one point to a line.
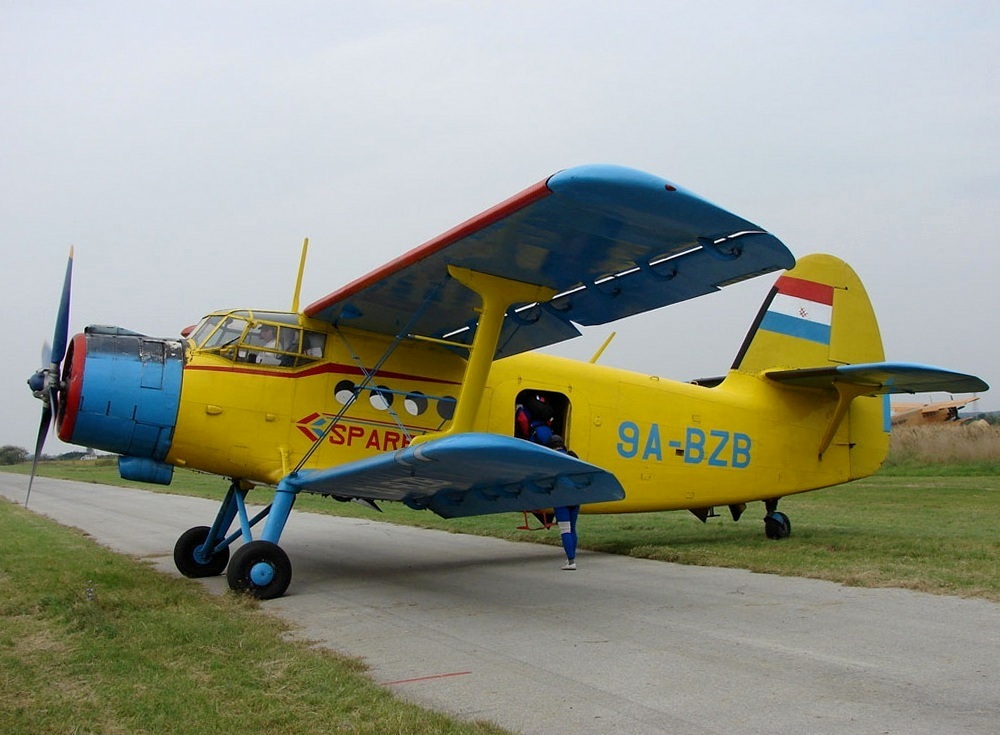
467	475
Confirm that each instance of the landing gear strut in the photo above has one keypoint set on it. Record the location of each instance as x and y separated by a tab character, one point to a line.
776	524
260	567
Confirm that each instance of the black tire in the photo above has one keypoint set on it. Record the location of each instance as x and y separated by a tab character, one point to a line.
185	560
271	563
777	526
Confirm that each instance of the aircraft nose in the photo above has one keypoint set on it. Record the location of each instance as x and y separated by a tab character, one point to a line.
122	392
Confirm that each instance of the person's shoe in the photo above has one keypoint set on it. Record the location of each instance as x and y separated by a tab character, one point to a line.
569	566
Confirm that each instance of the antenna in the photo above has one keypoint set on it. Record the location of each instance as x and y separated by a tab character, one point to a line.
298	281
600	350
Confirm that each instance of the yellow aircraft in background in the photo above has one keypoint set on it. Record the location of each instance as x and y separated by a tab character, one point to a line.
936	412
404	385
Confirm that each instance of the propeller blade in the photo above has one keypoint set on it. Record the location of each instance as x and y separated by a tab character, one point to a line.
61	334
45	382
43	431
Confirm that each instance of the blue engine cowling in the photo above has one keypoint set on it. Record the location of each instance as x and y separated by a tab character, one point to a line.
122	392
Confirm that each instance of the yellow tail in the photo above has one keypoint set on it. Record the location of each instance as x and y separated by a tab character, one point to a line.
817	314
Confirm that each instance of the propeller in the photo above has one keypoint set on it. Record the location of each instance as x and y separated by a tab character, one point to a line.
46	383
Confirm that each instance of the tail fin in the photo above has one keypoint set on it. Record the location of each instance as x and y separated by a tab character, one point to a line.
818	314
818	318
816	336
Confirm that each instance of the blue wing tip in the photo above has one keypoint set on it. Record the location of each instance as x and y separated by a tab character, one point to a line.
607	174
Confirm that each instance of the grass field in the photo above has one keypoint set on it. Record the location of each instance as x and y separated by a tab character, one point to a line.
95	642
132	651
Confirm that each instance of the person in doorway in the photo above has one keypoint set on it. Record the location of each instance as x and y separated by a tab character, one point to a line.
533	422
566	515
533	419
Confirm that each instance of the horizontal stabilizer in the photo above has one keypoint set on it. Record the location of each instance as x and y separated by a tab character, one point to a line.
882	378
466	475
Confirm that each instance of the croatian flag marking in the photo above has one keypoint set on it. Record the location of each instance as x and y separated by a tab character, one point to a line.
801	309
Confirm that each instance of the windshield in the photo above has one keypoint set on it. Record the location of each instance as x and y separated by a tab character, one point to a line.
275	340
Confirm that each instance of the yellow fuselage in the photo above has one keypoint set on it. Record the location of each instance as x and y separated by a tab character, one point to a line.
672	445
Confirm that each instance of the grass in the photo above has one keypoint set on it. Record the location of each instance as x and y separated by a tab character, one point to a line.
95	642
949	447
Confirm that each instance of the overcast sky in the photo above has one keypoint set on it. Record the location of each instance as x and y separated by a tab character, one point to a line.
186	148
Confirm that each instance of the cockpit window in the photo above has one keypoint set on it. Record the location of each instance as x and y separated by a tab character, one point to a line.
204	329
226	334
243	337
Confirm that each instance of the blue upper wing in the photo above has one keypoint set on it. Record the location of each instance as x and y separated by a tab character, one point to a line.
466	475
611	242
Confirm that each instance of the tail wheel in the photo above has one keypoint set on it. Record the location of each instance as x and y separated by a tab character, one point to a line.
190	557
260	569
777	526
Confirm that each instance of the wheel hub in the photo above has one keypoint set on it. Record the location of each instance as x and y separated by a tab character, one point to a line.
261	574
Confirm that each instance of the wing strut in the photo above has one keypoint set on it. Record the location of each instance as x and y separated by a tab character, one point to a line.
369	376
497	294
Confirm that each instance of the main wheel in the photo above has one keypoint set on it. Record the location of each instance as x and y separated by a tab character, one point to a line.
261	569
777	526
188	557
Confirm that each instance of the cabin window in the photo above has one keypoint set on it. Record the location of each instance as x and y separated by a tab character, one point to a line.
446	407
415	403
345	392
380	397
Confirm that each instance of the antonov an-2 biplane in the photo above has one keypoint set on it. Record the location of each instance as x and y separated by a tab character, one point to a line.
403	385
934	413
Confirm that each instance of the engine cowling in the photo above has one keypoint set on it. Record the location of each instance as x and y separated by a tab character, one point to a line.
122	392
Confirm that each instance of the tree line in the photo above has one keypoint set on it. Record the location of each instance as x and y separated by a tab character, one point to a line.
9	454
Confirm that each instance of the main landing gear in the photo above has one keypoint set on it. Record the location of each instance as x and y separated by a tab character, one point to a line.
192	557
260	567
776	524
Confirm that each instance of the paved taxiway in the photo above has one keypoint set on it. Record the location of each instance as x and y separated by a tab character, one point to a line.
488	629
